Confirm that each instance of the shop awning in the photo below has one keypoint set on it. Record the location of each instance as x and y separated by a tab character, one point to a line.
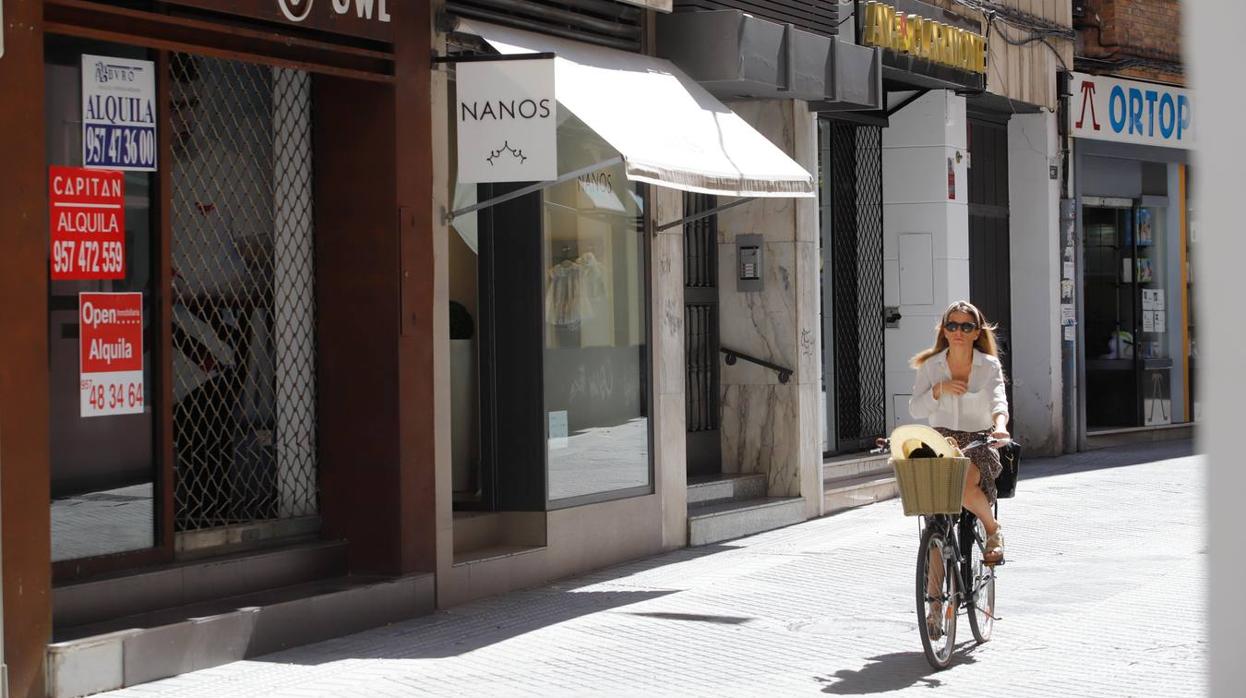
668	129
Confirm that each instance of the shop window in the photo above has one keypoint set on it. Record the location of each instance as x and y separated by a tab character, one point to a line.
103	469
549	320
1132	310
595	330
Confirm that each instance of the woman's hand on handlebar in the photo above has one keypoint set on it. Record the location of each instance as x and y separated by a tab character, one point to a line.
1000	437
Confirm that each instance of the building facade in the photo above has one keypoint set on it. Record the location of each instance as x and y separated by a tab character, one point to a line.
971	167
1133	128
219	293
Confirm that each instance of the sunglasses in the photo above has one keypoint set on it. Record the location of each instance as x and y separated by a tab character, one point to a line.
965	327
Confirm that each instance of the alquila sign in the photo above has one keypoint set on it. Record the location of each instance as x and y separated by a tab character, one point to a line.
912	34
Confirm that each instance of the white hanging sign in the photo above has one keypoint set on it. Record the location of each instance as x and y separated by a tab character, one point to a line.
505	112
118	113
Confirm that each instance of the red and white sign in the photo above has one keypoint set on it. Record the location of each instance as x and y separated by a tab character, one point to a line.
111	359
88	223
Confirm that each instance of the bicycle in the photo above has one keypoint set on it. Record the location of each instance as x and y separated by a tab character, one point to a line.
953	542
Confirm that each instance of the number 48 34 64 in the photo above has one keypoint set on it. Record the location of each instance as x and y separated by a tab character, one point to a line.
112	396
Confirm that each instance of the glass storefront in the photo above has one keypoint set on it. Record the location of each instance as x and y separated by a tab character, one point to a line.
592	358
595	336
240	352
1135	312
104	468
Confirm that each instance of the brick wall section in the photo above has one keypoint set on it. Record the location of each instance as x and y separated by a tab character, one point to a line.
1116	29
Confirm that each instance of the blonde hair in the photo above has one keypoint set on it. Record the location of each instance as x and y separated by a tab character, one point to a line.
986	339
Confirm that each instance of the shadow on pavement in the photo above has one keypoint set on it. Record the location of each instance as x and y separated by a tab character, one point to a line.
1100	459
696	618
489	621
888	672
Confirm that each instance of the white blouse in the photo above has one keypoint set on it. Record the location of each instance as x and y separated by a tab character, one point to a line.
975	410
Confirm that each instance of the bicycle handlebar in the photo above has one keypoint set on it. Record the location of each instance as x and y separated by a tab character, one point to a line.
884	445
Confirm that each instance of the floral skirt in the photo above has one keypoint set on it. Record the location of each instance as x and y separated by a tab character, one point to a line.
985	457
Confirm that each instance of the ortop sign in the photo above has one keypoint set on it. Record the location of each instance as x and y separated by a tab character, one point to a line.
505	115
1128	111
891	28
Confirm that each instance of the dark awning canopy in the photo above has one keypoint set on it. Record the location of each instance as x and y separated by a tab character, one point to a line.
736	55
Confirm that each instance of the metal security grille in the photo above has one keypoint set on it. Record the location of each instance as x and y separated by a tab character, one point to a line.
856	279
244	316
701	313
701	336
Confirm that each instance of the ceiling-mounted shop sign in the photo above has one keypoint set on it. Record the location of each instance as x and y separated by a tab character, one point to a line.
505	117
912	29
87	219
1128	111
118	113
111	358
366	19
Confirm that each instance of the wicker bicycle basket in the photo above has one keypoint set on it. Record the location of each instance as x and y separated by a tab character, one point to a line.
931	485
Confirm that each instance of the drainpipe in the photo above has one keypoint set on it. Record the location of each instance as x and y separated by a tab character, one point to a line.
1068	252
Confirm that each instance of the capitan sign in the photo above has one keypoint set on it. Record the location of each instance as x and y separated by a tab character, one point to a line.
505	115
367	19
1129	111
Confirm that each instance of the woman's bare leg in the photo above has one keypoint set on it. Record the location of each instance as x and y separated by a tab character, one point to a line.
975	500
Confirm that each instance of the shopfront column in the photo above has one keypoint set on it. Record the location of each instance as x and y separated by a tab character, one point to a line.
768	426
670	417
24	459
1037	270
925	230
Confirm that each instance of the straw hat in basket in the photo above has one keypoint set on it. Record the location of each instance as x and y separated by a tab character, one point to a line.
921	441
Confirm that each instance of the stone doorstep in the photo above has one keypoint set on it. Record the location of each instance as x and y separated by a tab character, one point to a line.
278	619
849	493
721	521
725	488
857	465
186	582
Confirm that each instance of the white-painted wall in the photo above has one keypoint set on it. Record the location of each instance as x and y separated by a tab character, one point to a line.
1036	270
925	232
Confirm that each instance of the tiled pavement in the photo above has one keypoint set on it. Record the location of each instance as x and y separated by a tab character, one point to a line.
1103	595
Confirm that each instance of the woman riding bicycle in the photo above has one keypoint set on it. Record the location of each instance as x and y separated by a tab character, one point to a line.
960	389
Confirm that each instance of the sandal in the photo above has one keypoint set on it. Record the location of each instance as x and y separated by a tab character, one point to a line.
993	548
934	621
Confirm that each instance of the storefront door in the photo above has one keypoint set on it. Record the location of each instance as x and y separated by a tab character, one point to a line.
853	318
704	442
990	280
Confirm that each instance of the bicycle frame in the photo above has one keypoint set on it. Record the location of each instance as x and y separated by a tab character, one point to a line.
958	532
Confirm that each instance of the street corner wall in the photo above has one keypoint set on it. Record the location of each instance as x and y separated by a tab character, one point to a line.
925	230
1036	269
767	426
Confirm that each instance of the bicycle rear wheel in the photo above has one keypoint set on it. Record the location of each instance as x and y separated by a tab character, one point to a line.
980	592
936	597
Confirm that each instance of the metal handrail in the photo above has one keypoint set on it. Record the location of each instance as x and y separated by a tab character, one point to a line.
784	373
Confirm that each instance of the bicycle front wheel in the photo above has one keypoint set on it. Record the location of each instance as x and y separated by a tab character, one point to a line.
980	595
937	597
